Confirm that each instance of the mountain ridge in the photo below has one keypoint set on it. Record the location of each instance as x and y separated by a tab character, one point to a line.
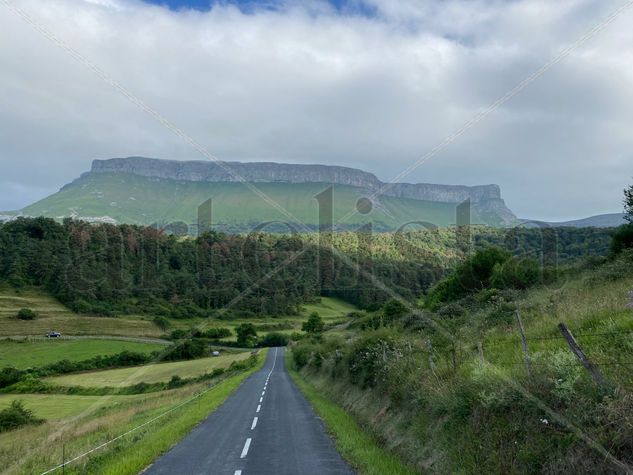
139	190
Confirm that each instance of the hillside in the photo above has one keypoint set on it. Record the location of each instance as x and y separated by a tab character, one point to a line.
147	191
449	390
611	220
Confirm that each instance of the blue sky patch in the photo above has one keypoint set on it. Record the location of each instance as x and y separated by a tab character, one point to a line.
347	7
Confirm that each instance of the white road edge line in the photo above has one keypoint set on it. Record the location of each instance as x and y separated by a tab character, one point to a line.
254	423
258	408
247	445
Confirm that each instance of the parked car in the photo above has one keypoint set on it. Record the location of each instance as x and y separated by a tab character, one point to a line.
53	335
216	353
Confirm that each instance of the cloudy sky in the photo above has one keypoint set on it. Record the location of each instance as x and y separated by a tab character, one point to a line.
374	84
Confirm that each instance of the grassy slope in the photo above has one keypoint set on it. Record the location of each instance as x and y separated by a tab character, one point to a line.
153	373
54	316
34	449
358	447
497	432
24	354
135	199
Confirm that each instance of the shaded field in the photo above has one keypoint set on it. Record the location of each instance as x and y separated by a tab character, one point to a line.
153	373
25	354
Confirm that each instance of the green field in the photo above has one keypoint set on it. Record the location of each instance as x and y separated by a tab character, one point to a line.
329	309
32	353
139	200
53	316
77	424
153	373
61	406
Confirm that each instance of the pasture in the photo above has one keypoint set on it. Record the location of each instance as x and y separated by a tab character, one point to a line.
152	373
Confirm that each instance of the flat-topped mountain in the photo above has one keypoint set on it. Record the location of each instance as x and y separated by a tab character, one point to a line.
140	190
270	172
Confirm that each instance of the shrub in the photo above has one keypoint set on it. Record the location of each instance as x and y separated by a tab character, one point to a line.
394	309
16	416
622	238
187	350
314	324
26	314
516	273
218	333
274	339
469	277
178	334
9	376
301	354
175	382
161	322
246	335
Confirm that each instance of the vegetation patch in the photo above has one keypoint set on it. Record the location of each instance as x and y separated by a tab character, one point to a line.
358	447
16	416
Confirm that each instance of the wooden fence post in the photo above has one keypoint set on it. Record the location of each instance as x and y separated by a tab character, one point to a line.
431	362
480	348
526	353
577	350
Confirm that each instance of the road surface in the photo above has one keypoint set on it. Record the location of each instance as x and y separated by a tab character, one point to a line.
265	428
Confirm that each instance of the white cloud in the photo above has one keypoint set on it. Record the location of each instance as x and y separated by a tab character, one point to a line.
305	84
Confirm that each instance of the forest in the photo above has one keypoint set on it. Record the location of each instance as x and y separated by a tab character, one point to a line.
109	270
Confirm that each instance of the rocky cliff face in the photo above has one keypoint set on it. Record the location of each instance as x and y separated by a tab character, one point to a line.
485	198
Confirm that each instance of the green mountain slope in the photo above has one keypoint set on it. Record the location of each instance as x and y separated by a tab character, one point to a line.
134	199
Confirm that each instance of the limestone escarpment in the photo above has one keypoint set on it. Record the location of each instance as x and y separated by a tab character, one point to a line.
267	172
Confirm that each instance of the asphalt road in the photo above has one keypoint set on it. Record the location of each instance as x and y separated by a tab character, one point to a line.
265	428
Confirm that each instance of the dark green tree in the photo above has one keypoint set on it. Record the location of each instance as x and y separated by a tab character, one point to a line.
628	204
246	335
314	324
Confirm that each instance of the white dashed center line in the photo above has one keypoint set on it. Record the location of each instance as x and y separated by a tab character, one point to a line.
238	472
247	446
258	408
254	424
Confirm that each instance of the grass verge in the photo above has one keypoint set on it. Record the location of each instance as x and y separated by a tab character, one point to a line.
357	447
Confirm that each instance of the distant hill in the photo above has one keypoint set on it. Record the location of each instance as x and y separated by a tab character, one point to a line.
140	190
611	220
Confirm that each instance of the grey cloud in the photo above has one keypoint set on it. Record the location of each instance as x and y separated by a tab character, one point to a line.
307	85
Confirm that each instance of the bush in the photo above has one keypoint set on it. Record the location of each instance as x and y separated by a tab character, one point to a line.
469	277
175	382
217	333
26	314
16	416
246	335
301	354
314	324
9	376
178	334
274	339
516	273
161	322
187	350
622	238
